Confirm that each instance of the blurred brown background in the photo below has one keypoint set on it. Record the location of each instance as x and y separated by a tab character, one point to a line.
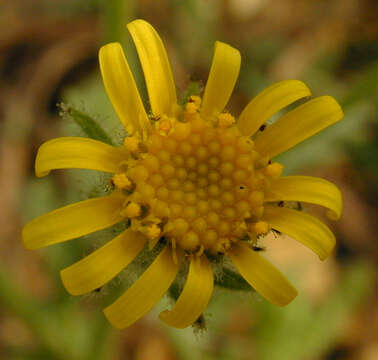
48	54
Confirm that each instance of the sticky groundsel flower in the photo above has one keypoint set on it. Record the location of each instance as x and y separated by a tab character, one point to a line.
192	176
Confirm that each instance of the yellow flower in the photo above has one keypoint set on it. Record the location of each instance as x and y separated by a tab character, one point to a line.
199	181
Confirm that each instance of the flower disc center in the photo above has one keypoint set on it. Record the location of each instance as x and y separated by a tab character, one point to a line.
199	182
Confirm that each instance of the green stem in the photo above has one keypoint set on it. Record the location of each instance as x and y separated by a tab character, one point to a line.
116	14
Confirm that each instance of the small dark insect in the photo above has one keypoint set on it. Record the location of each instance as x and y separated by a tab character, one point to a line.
163	240
155	118
200	323
97	290
241	187
190	100
262	127
258	248
281	203
269	162
246	237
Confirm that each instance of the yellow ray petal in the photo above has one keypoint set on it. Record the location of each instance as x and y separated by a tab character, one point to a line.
104	264
302	227
223	74
121	89
195	296
72	221
298	125
145	292
262	275
268	102
307	189
79	153
156	68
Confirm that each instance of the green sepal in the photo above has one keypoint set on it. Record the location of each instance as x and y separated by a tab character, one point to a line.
86	123
232	281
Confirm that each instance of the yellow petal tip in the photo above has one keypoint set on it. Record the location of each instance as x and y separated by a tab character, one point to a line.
332	104
25	240
112	321
107	46
290	296
270	101
332	215
138	21
39	173
66	283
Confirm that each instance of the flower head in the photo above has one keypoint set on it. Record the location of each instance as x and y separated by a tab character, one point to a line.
192	177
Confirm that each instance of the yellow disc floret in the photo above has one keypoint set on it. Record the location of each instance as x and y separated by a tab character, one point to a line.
201	182
225	120
274	170
260	227
131	143
132	210
121	181
153	231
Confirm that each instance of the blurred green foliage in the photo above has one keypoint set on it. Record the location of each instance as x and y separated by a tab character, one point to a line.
65	329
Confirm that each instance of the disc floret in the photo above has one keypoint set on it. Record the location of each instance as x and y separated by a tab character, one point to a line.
199	180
